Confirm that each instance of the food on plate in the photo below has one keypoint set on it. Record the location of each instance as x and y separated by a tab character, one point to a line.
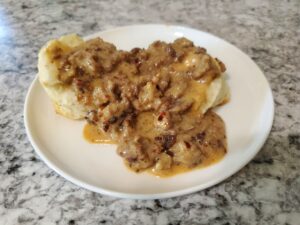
154	103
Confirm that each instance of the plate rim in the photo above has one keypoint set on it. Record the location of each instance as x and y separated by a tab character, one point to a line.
119	194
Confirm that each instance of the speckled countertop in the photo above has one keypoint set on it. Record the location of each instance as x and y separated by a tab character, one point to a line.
266	191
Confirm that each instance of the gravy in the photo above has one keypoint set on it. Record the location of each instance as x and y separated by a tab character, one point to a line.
150	102
93	135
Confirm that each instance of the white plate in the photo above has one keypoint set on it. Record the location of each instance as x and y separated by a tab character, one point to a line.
248	117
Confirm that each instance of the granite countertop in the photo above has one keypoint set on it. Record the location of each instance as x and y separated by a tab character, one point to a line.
266	191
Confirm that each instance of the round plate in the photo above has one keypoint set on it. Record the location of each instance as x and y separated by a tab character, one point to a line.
248	118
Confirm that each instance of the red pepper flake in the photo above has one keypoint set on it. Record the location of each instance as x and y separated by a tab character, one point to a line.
161	116
187	144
